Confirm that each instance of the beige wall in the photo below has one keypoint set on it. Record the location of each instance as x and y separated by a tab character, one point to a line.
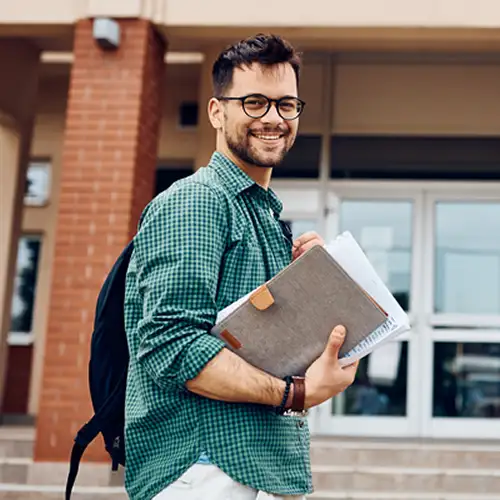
297	13
312	91
18	89
10	167
336	13
417	99
47	144
181	85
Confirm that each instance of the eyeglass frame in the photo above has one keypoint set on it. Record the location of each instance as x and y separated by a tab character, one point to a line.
269	104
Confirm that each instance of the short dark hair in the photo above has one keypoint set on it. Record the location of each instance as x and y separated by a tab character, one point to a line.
262	49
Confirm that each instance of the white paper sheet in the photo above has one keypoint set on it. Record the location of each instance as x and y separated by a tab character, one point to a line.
347	252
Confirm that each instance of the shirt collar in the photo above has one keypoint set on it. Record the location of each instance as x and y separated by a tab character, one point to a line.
236	181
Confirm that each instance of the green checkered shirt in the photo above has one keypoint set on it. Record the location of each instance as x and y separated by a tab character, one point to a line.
202	244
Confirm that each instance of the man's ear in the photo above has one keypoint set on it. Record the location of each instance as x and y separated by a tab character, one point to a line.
215	113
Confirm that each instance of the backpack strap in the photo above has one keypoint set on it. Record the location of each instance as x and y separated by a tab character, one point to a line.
84	437
88	433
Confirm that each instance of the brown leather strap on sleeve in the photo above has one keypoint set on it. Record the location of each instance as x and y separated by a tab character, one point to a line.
299	394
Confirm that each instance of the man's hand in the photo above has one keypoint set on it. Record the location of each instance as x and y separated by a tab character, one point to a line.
303	243
325	378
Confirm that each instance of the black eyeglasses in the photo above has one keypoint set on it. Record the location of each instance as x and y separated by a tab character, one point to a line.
258	105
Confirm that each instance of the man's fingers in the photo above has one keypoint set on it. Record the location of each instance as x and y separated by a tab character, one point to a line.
304	238
335	341
307	246
305	242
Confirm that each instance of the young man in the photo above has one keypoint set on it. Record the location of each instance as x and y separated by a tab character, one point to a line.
201	423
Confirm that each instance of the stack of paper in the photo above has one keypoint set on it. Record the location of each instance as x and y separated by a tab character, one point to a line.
346	251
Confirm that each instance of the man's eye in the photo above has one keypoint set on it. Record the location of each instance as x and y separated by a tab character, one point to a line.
255	102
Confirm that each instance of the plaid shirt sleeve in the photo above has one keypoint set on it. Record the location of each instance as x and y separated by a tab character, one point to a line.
179	250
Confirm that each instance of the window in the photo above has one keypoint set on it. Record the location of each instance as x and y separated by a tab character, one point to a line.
467	258
302	161
169	172
188	114
301	226
384	230
381	384
37	189
400	157
466	380
24	291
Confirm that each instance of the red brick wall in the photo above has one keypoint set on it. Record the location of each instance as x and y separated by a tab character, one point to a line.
108	163
17	381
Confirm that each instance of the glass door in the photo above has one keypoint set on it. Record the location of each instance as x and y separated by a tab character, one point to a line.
386	221
462	338
437	247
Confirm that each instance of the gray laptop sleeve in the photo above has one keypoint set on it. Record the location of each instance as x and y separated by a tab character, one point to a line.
285	324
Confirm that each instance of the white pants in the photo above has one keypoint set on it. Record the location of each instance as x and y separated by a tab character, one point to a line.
208	482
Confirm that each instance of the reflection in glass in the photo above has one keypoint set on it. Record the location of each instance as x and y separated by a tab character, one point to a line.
37	188
466	380
384	231
467	258
380	386
25	284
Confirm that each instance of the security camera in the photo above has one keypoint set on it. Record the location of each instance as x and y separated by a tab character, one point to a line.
106	33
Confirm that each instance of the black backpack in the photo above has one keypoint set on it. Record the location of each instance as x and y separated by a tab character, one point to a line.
108	369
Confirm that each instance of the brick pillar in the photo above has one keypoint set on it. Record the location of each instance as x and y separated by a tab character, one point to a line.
108	164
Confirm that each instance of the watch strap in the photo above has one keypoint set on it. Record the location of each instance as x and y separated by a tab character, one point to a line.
299	394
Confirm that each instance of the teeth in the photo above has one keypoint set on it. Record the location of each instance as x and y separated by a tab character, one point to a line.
268	137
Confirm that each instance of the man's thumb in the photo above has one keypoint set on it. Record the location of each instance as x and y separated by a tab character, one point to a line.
335	341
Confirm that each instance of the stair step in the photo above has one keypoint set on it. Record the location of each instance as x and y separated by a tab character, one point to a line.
24	471
405	454
44	492
16	442
405	479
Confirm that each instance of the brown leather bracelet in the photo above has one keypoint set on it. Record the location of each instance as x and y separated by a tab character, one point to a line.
299	394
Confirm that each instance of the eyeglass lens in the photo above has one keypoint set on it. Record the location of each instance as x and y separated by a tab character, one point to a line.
257	106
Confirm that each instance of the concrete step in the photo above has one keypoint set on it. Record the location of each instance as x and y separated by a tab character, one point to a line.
43	492
16	442
24	471
406	480
405	454
326	478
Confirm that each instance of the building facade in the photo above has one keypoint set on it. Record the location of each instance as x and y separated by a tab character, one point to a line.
399	143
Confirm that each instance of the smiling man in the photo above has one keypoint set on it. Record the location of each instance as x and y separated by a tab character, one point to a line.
201	423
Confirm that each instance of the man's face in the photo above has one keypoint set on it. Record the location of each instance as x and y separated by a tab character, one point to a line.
264	141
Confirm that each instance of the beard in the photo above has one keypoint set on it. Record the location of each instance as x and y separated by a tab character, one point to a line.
258	154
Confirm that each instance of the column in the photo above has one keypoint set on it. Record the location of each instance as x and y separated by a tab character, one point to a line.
10	221
18	89
108	165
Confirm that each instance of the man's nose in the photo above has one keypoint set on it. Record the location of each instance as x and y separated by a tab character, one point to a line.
272	116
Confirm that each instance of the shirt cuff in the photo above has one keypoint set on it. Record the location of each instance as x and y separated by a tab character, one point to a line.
200	352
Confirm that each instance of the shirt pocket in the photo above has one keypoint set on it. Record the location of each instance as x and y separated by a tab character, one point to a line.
243	269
